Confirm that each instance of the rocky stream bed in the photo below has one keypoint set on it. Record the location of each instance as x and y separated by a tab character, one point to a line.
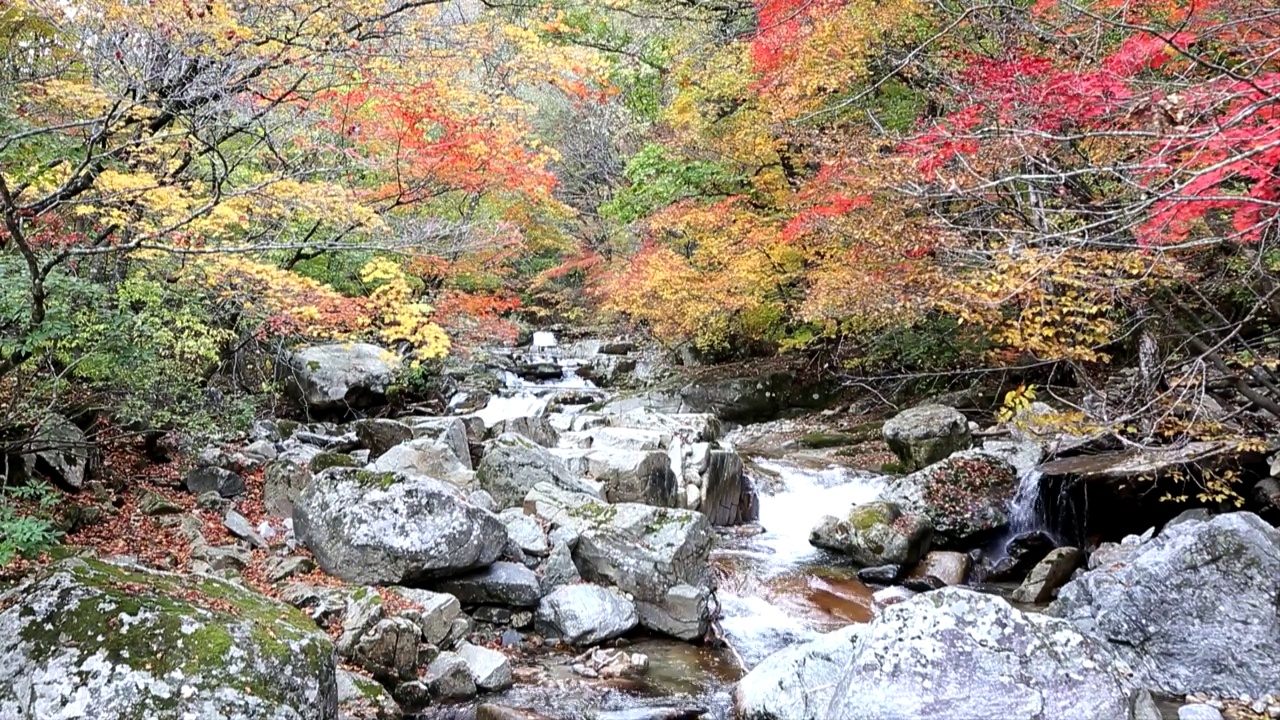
553	549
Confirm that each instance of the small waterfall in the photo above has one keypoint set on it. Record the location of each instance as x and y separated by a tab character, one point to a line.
1026	510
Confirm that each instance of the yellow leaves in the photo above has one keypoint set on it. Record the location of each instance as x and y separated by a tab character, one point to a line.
400	319
1016	401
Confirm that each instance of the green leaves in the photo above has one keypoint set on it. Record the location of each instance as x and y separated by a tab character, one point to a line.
658	179
26	528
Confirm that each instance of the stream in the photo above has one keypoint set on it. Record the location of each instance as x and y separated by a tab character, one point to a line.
775	589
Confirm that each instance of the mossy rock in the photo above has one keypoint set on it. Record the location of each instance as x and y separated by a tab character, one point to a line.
325	460
820	440
125	643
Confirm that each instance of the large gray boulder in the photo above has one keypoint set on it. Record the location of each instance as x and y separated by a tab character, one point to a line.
339	376
83	638
585	614
514	464
797	683
641	476
502	583
393	529
727	495
925	434
60	451
875	533
966	497
1193	609
537	429
955	653
658	555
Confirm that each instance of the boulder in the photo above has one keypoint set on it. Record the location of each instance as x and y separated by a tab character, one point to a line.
796	683
525	532
502	583
926	434
84	638
1192	609
514	464
340	376
874	534
956	653
391	528
642	476
378	435
389	649
966	497
361	698
1051	573
537	429
658	555
951	568
690	427
450	432
585	614
751	399
728	497
490	669
1021	554
434	612
60	451
282	482
558	569
424	456
448	677
214	479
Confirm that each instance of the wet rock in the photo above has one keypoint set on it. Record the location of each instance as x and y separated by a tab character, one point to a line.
618	347
1048	575
676	712
1021	555
891	596
379	435
728	497
537	429
558	569
60	451
684	612
214	479
360	698
926	434
502	583
435	613
413	696
525	532
239	525
602	663
952	568
875	533
514	464
85	638
585	614
282	482
923	583
340	376
880	574
956	653
448	677
498	712
965	496
796	683
449	432
1193	609
389	528
750	399
490	669
539	371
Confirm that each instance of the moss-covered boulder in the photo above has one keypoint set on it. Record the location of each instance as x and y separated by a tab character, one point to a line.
875	533
926	434
86	638
966	497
